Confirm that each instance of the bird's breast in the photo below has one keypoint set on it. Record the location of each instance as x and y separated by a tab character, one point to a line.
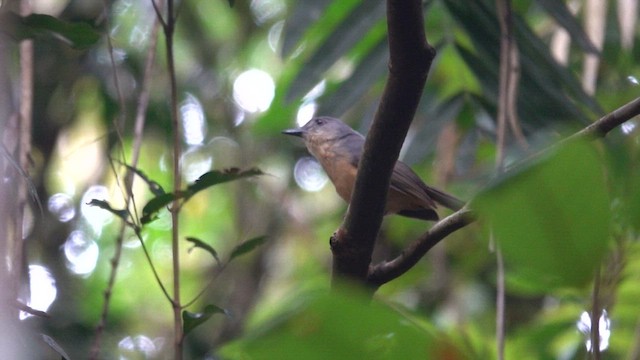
338	167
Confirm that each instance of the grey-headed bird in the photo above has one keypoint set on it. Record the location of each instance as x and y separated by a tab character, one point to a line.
338	149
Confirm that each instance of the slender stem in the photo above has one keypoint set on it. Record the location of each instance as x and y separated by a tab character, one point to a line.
137	145
23	148
175	208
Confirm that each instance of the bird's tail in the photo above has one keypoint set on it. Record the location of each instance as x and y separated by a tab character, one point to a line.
446	200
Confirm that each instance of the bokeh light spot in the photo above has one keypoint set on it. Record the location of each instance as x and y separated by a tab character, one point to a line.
253	90
309	174
61	205
81	253
193	121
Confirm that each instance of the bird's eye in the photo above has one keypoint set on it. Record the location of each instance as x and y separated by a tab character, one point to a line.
319	121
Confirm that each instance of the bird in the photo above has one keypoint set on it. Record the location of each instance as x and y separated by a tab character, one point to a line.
337	147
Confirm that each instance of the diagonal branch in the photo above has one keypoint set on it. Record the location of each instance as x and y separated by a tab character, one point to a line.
409	63
387	271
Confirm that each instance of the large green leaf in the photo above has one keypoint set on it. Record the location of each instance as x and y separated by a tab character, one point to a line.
551	219
342	326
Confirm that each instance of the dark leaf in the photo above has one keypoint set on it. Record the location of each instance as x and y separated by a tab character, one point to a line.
560	12
78	35
231	2
192	320
348	33
247	246
371	69
154	187
54	345
121	213
197	243
216	177
305	14
154	205
372	331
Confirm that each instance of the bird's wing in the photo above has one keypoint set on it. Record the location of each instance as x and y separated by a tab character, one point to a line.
405	181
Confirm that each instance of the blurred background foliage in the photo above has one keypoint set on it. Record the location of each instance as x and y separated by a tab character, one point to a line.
249	71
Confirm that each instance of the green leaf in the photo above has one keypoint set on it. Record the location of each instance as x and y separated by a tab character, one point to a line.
552	219
78	35
154	205
197	243
247	246
121	213
192	320
216	177
351	324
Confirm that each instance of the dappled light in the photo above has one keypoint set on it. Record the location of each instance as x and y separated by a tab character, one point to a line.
140	346
604	328
193	121
143	220
309	174
81	252
253	90
62	206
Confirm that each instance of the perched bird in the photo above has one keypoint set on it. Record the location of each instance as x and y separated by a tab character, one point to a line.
338	149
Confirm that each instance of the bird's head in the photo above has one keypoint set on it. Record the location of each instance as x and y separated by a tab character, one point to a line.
322	129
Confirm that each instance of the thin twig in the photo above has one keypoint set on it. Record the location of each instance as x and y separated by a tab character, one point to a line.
169	29
507	114
128	185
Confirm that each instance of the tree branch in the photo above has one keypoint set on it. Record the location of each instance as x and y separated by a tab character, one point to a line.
389	270
409	63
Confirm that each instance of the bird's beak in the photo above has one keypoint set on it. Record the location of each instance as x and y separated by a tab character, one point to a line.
294	132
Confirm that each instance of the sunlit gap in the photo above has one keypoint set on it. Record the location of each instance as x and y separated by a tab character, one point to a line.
253	91
633	80
140	345
81	253
309	174
604	327
42	287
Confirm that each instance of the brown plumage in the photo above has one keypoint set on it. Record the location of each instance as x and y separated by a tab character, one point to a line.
338	148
